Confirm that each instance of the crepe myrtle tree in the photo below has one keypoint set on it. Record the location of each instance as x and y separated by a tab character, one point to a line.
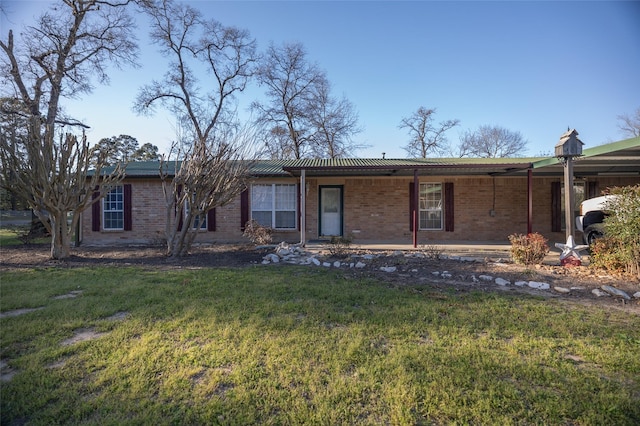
206	177
215	152
58	57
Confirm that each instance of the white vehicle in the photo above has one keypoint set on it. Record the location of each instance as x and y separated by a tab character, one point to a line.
592	214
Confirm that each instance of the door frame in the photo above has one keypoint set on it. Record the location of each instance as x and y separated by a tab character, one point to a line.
320	188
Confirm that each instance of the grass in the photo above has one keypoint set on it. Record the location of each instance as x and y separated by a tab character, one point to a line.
288	345
9	237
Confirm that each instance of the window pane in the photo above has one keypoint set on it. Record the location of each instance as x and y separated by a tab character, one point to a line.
261	198
200	222
263	218
286	219
285	197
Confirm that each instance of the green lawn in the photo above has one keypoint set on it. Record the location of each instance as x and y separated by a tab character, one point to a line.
288	345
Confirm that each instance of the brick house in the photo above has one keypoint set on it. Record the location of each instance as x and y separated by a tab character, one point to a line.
374	200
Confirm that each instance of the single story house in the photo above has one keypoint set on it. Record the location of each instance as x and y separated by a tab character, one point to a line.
404	201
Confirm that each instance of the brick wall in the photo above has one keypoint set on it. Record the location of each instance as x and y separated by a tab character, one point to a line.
375	209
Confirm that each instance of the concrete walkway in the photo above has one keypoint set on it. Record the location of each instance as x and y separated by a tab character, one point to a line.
478	250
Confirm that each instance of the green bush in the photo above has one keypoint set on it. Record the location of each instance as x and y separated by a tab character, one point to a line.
622	225
528	249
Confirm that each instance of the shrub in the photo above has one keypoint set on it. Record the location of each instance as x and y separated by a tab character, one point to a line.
431	251
623	225
339	246
257	233
528	249
607	254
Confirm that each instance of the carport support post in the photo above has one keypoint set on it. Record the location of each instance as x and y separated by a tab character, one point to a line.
416	203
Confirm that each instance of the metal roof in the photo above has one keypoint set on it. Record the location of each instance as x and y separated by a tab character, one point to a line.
616	158
622	158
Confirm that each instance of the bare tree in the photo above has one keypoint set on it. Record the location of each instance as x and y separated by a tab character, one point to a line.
215	165
630	124
275	143
58	57
492	142
335	123
425	136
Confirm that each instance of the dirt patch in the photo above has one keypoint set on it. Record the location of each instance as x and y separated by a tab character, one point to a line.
461	276
82	335
17	312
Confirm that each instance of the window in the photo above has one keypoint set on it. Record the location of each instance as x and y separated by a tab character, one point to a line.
199	222
274	205
113	209
431	206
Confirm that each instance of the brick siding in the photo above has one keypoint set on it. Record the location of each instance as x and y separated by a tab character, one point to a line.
375	209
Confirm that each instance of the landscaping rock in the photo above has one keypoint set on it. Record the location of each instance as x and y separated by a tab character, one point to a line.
615	292
562	290
599	293
502	281
538	285
388	268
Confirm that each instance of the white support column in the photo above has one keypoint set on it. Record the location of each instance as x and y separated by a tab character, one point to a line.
303	207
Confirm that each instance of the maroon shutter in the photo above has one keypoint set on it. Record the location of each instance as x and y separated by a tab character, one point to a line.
412	204
448	207
96	208
556	207
211	220
592	189
128	220
244	208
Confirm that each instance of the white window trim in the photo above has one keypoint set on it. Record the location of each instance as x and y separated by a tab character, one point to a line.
273	205
104	221
440	209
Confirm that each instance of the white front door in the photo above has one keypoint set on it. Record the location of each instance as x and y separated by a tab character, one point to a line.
330	211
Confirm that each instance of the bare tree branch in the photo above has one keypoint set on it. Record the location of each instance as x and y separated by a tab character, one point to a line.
425	136
492	142
630	124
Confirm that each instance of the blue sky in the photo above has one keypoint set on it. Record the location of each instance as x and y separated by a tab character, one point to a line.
532	67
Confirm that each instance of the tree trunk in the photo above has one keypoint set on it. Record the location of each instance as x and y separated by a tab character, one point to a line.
60	245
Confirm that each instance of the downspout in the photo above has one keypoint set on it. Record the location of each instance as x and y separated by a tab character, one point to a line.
303	207
416	203
529	200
